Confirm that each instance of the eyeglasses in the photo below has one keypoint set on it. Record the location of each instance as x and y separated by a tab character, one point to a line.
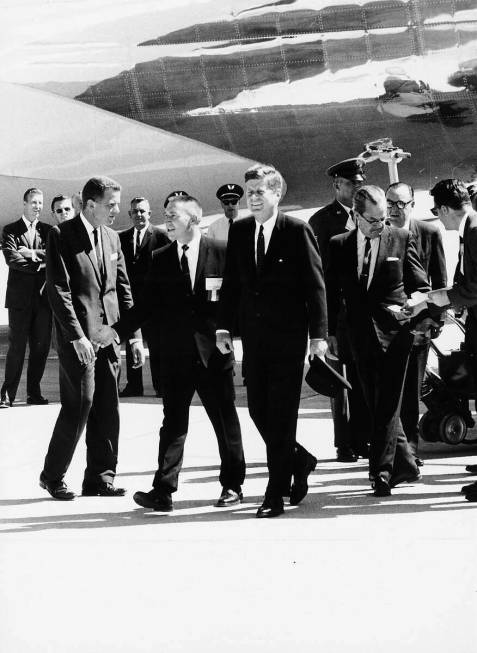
372	221
229	202
435	211
67	209
400	204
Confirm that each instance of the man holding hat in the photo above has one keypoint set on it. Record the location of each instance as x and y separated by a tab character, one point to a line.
350	414
229	196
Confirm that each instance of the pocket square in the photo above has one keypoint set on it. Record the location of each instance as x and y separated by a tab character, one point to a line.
114	256
392	258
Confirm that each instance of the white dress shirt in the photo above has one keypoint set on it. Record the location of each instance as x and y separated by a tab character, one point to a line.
89	228
350	224
141	237
374	254
31	230
267	231
192	254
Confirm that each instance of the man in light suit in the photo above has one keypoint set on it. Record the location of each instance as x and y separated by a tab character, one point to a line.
273	283
351	417
87	287
428	240
29	314
453	207
180	298
137	244
229	196
372	268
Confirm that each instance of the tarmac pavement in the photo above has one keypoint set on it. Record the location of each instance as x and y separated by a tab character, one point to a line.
343	572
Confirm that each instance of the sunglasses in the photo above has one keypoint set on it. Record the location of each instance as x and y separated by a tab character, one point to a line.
65	210
229	202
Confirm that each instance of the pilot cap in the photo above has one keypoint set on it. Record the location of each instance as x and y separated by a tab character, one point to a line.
325	380
351	169
175	193
230	192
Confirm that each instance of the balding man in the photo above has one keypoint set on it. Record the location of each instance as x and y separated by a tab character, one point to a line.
373	268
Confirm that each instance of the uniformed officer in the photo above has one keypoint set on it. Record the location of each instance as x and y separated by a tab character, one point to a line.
229	196
350	415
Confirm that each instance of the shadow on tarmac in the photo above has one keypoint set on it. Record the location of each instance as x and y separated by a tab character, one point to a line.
334	503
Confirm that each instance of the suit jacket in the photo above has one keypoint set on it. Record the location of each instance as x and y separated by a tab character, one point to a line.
431	251
288	299
185	322
397	274
80	299
327	222
464	292
25	278
137	266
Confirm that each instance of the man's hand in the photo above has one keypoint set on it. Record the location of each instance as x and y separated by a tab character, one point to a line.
438	297
422	330
104	336
333	351
318	347
223	341
84	350
138	354
26	252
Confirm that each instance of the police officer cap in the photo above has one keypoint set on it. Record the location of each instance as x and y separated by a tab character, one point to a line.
230	192
322	378
351	169
175	193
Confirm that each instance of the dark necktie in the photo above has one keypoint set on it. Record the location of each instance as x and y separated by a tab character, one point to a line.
185	268
230	222
458	276
138	243
99	255
260	250
364	276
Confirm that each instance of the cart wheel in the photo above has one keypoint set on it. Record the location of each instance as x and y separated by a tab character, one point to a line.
428	428
452	428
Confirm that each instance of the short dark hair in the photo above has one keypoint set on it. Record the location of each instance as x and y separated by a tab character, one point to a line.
368	193
451	193
95	188
401	184
268	173
31	191
59	198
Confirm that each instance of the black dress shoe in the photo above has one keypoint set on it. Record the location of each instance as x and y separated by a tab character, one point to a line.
155	500
271	507
102	490
346	456
472	469
419	462
131	392
229	498
299	488
472	487
405	478
381	487
5	401
57	490
36	400
363	452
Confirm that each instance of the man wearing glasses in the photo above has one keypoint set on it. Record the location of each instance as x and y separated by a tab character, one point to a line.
61	208
428	240
374	269
229	196
350	414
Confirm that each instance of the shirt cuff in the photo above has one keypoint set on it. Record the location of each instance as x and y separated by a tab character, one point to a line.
222	332
131	341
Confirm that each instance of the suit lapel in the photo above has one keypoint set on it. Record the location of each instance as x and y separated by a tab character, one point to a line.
145	240
275	238
107	251
351	254
85	241
23	230
382	253
203	247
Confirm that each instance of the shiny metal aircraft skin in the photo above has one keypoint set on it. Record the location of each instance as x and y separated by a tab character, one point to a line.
186	94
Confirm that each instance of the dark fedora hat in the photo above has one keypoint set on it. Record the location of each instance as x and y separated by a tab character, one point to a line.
325	380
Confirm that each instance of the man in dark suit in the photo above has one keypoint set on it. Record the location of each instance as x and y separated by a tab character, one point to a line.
180	295
372	268
137	244
87	286
350	414
428	240
273	283
453	207
29	314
